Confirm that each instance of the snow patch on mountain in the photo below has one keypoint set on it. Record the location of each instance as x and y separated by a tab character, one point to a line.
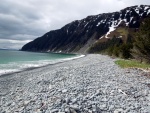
137	11
98	23
111	28
148	12
93	26
134	22
131	19
86	24
146	8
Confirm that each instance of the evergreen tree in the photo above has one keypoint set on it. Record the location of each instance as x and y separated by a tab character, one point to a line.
116	50
125	50
141	48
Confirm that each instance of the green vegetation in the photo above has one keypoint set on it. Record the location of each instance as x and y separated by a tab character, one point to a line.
113	47
99	47
136	45
132	63
141	50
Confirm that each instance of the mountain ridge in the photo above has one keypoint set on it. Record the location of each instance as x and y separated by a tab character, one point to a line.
79	35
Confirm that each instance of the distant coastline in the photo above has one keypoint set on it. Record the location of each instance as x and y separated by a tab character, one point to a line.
9	49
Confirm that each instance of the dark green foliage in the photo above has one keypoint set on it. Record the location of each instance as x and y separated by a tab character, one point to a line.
116	51
114	47
142	41
122	50
125	48
109	50
130	39
125	51
101	46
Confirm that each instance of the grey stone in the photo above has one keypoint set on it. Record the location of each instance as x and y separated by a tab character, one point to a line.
119	110
54	110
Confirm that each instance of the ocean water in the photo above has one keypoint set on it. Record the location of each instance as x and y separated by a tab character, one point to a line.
13	61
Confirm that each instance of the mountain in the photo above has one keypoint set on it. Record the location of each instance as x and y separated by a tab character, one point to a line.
80	35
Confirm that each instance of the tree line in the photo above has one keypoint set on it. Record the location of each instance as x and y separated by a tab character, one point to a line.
137	45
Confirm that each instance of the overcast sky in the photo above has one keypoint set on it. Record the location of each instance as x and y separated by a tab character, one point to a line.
24	20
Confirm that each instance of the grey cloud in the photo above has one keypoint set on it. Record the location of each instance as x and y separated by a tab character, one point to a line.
12	44
25	20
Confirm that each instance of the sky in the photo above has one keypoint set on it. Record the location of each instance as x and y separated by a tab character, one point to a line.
22	21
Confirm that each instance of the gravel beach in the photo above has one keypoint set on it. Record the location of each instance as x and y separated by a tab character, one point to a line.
91	84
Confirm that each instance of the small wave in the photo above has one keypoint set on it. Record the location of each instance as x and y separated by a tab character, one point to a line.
19	66
7	71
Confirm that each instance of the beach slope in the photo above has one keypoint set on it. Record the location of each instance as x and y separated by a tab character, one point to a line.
91	84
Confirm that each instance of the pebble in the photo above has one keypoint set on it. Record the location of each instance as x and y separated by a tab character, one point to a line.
75	107
118	110
54	110
64	90
85	85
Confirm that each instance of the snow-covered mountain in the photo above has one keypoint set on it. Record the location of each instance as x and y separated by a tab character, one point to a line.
79	35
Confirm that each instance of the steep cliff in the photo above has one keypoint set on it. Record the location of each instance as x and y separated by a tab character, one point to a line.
79	35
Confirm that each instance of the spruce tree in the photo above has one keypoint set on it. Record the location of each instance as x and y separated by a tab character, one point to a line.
142	41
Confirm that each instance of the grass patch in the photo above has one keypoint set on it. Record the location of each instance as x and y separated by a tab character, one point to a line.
132	64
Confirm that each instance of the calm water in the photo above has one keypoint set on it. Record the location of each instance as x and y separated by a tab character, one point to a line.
12	61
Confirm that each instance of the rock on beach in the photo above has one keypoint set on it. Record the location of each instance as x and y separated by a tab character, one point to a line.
91	84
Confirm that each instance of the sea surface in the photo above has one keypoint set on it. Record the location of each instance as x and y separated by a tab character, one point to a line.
13	61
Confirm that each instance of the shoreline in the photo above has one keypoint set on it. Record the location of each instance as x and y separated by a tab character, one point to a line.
32	68
89	84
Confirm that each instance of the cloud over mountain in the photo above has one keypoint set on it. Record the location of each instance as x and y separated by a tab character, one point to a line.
23	21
